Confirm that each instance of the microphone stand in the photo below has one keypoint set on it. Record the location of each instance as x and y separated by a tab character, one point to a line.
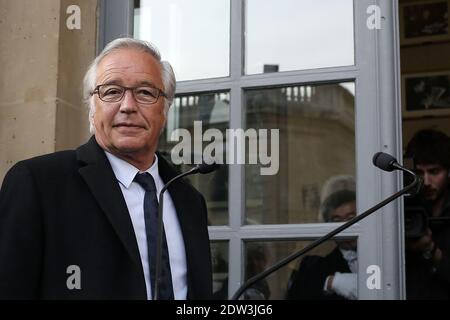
203	168
155	290
326	237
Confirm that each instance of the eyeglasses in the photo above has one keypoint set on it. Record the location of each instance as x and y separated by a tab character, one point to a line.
115	93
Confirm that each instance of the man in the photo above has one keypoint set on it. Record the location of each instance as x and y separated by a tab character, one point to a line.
333	277
76	224
427	260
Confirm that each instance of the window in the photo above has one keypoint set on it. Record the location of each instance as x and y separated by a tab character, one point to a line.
316	126
314	71
194	35
197	113
306	32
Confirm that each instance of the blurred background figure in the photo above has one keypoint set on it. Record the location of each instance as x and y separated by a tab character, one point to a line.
257	263
427	260
333	276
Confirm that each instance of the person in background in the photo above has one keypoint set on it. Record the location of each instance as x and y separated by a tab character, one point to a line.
334	276
427	255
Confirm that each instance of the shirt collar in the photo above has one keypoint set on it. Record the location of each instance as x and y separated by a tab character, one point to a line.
349	255
125	172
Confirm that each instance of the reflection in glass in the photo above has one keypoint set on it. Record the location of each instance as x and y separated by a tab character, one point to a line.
195	114
338	199
317	142
306	277
308	34
194	36
219	253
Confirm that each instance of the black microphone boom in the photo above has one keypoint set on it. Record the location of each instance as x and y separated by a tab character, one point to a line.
201	168
383	161
387	162
207	168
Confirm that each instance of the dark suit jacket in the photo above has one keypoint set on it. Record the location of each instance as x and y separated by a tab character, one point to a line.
424	279
307	282
66	209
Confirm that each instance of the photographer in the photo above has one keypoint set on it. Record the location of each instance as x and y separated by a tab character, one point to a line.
427	260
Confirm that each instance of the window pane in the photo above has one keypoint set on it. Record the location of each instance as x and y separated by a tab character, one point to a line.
315	151
194	35
219	253
298	34
303	278
194	115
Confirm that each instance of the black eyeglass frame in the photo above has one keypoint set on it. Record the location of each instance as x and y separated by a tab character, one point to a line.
97	91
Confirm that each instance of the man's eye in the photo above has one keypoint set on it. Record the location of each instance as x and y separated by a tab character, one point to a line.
146	92
112	91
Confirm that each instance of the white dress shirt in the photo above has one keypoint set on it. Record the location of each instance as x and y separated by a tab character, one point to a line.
345	284
134	198
351	256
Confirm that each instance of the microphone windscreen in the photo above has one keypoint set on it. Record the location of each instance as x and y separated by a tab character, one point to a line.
207	168
384	161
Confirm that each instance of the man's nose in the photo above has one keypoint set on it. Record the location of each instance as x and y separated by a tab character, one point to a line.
128	103
426	179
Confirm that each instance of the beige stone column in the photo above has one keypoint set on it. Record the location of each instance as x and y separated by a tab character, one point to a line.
42	64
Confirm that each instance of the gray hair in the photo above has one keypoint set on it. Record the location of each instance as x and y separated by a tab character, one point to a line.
167	74
334	201
336	191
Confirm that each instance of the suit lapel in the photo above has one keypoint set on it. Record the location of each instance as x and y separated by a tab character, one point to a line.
99	176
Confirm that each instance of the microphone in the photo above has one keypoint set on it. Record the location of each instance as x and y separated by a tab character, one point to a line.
203	168
384	161
381	160
388	163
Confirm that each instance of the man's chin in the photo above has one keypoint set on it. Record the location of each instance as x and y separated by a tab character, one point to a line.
128	148
429	196
129	145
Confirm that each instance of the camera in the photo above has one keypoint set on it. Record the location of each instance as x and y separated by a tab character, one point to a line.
418	220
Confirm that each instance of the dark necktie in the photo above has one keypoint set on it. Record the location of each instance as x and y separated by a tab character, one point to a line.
146	181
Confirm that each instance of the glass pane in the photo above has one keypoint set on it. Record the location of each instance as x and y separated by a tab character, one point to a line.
219	253
194	35
298	34
328	272
184	141
314	153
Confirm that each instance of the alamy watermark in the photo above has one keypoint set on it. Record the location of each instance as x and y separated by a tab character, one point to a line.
374	20
73	21
262	147
73	281
374	279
